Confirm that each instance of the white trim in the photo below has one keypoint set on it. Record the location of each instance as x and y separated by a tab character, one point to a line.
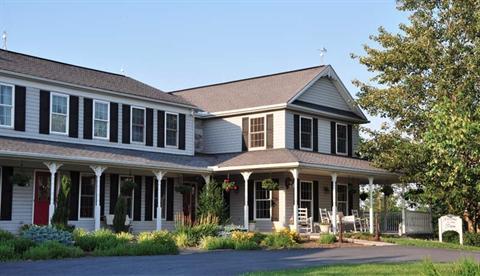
311	200
154	209
256	109
67	115
80	197
324	114
264	117
311	132
344	201
255	202
94	119
165	129
253	167
336	139
144	124
133	193
12	110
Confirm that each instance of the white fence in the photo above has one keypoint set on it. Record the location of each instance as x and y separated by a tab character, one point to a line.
416	222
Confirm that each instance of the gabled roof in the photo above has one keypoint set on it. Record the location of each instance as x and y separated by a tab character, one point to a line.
76	75
252	92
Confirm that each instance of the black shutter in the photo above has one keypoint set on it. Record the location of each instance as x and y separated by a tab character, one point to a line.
125	124
102	195
149	127
349	129
87	118
170	198
251	191
245	134
137	202
270	131
73	197
73	117
333	141
296	131
20	107
7	194
161	129
275	203
226	201
315	201
315	134
44	126
148	198
181	131
114	122
113	192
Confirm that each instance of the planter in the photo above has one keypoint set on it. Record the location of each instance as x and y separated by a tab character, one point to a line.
251	226
269	184
324	228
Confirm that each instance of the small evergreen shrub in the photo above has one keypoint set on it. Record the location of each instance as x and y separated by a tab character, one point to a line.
40	234
7	252
212	243
120	215
60	215
451	237
5	236
472	239
52	250
327	239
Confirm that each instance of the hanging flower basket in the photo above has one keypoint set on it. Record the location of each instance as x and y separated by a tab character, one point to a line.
269	184
229	185
363	196
387	190
20	180
182	189
127	186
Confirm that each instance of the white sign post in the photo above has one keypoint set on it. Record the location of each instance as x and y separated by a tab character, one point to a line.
450	223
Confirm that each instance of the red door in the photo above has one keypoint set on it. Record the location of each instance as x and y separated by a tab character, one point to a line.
42	198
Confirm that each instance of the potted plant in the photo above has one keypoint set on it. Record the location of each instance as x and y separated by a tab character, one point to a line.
324	227
229	185
387	190
20	180
363	196
269	184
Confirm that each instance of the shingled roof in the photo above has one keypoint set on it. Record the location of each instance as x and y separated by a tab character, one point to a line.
252	92
77	75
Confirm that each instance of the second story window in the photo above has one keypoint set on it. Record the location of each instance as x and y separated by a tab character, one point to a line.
341	139
257	132
101	119
58	113
138	125
306	133
6	105
171	130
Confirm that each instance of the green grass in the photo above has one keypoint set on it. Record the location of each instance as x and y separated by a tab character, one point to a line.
429	244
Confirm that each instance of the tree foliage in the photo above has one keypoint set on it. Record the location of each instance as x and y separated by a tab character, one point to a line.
427	81
211	203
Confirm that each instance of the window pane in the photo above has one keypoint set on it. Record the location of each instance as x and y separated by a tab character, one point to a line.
306	125
5	116
341	139
59	104
100	129
306	140
257	132
137	116
6	95
137	133
171	121
59	123
101	111
341	146
171	138
87	197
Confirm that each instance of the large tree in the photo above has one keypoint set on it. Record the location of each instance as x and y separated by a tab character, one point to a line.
427	82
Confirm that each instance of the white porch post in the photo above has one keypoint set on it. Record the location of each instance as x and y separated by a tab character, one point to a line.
53	168
294	173
98	170
334	203
246	176
206	178
159	175
404	212
370	186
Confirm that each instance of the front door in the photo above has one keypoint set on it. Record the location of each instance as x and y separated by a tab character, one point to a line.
42	198
189	202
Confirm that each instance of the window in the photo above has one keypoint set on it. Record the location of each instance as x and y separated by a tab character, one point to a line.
129	197
171	130
101	118
257	132
306	196
87	196
138	125
163	200
6	105
341	139
59	113
305	133
263	202
342	198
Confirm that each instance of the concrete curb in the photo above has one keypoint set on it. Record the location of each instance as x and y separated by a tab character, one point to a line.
369	243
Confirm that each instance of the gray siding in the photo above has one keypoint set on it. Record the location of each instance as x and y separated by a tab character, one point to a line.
323	92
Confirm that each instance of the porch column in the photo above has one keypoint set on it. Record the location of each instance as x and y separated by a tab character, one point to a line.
334	203
98	170
294	173
53	168
246	176
370	185
206	178
159	175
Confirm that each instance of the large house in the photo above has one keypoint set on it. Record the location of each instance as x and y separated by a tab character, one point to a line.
299	128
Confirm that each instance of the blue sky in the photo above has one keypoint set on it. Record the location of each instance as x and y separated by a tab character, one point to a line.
178	44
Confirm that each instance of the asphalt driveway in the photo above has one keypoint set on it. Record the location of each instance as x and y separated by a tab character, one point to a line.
228	262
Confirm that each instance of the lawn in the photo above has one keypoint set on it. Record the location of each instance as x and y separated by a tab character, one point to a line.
465	267
429	244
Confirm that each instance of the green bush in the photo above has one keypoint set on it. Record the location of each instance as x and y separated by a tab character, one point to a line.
7	252
21	245
52	250
162	239
100	239
182	240
139	249
40	234
327	239
451	237
279	240
472	239
186	235
212	243
246	245
120	215
5	236
211	202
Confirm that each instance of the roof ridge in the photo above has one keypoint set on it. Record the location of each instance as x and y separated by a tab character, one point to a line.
246	79
63	63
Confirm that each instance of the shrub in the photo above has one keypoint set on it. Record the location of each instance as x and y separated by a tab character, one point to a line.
211	202
21	245
60	215
282	239
5	236
40	234
146	247
52	250
187	235
182	241
247	236
451	237
7	252
327	239
472	239
246	245
120	215
100	239
212	243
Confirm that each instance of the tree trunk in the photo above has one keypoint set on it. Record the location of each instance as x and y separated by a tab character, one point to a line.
470	222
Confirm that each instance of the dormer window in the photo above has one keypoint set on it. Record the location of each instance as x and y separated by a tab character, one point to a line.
6	105
257	132
342	139
306	133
